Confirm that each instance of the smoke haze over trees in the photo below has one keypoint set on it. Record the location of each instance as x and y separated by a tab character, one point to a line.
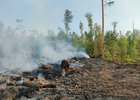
21	47
25	49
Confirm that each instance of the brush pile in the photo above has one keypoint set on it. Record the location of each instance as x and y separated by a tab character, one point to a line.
87	79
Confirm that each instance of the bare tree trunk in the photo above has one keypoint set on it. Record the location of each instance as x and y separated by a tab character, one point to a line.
102	53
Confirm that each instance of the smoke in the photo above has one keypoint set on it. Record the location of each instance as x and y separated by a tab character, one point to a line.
24	49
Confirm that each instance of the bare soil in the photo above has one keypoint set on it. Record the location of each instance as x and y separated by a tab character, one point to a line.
87	79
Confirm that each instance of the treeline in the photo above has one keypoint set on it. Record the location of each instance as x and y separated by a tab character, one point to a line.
120	47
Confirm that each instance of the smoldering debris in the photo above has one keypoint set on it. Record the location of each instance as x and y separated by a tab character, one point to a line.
100	80
25	50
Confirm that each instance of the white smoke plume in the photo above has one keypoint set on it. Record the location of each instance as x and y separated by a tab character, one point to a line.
24	50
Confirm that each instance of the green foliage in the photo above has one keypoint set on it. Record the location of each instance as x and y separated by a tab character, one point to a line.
123	47
97	40
89	43
90	21
81	28
122	43
111	43
133	43
62	35
89	35
67	20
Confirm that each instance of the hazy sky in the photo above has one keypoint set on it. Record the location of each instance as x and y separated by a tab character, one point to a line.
48	14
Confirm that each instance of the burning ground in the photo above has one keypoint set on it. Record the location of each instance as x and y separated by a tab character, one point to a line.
87	79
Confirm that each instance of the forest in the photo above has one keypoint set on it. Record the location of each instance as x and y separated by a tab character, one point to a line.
89	63
113	45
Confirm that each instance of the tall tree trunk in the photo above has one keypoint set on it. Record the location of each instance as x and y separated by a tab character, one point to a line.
102	53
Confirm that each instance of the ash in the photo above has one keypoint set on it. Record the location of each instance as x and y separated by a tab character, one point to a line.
87	79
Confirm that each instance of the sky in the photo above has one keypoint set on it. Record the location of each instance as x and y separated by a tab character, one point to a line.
44	15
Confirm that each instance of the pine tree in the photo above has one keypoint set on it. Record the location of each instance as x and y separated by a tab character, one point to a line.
89	35
67	20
